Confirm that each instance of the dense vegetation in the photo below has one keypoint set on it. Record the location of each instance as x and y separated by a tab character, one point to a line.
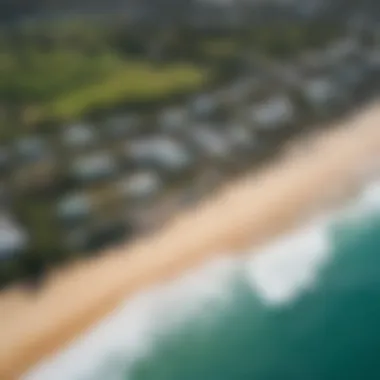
55	73
69	69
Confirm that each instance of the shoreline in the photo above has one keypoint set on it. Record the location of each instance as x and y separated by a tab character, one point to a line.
279	197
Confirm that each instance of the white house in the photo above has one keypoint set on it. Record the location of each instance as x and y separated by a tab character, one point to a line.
273	113
164	154
13	238
74	208
94	167
143	185
79	136
209	143
30	149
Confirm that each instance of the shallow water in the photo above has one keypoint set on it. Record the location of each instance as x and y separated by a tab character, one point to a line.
305	307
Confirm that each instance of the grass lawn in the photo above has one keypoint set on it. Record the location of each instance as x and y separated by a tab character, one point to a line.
64	84
132	81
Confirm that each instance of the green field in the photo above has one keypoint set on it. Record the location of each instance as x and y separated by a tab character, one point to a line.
63	85
67	70
130	82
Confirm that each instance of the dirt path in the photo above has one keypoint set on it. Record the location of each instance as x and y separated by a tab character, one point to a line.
249	211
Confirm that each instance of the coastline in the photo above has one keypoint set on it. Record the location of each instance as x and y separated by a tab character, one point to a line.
278	198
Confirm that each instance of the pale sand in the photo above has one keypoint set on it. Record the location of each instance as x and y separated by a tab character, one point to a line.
249	211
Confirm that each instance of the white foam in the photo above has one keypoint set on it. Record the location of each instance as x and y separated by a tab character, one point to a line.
278	273
130	332
370	198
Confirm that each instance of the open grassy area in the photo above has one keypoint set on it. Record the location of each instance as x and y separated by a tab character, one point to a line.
131	82
63	71
65	84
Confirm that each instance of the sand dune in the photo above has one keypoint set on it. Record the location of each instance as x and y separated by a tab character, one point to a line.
249	211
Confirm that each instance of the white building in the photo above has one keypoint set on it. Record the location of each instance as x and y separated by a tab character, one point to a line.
79	136
30	149
13	238
273	113
141	186
163	154
94	167
74	208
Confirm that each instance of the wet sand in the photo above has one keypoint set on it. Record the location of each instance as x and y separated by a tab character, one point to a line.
249	211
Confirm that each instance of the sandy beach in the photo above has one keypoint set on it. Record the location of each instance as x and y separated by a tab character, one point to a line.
247	212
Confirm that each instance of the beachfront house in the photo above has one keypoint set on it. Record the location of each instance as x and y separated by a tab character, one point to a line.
79	136
141	186
322	96
74	208
121	127
94	167
209	144
14	243
172	120
203	107
30	149
13	238
243	140
273	114
159	153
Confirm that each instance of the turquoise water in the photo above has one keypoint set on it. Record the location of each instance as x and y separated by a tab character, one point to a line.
307	307
330	332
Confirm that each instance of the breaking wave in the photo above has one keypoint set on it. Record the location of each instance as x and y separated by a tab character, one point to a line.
270	278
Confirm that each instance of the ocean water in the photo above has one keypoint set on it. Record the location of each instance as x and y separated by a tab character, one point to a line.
307	306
